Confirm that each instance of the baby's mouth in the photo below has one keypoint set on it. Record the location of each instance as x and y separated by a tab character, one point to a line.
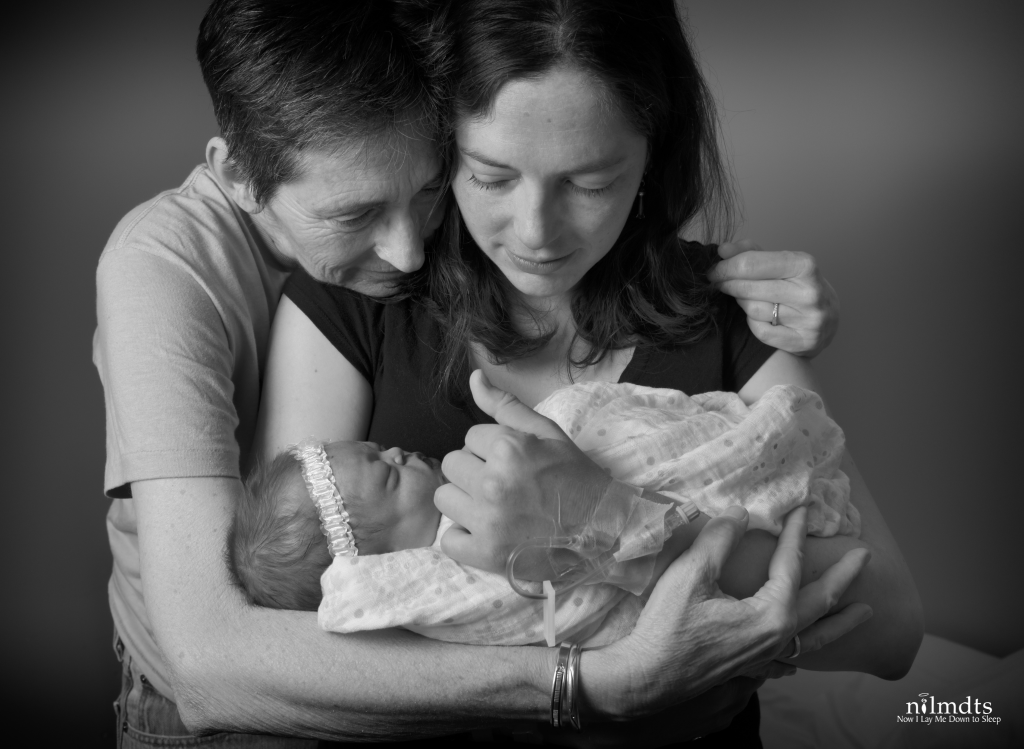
436	465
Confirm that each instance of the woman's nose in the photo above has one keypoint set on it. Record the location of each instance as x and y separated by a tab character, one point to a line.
401	244
536	221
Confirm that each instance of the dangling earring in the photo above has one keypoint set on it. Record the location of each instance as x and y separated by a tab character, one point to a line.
640	207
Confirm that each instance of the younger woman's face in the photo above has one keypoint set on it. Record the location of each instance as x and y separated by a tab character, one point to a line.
547	179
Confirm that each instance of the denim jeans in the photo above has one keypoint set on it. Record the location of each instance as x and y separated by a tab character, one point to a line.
146	719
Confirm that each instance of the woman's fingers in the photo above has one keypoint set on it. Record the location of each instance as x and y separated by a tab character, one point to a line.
509	411
460	467
771	670
714	545
793	340
727	250
800	296
784	568
695	573
515	480
747	261
832	627
808	305
459	544
817	599
785	562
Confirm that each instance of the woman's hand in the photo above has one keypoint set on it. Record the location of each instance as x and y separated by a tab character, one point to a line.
691	636
808	305
520	478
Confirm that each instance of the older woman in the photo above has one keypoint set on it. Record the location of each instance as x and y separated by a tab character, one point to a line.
326	162
584	145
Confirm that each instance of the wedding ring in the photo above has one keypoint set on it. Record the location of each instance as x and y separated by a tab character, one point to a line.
775	315
796	647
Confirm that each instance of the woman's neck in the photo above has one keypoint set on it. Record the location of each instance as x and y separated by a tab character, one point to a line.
543	315
547	369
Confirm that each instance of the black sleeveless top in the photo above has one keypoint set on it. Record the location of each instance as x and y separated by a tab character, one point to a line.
394	344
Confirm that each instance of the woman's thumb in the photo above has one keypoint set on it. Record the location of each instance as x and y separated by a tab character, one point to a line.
509	411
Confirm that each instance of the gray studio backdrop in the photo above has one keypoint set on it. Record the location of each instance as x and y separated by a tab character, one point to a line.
883	137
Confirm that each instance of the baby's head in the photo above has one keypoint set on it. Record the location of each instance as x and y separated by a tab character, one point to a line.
276	546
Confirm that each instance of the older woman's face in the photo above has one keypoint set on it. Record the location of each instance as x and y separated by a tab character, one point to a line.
357	217
546	181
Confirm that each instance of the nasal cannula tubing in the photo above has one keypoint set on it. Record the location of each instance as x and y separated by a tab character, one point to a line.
577	543
688	512
558	542
548	594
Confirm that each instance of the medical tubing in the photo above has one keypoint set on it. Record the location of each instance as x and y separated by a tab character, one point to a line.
556	542
586	545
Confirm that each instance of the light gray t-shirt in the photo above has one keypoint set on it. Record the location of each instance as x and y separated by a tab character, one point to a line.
186	291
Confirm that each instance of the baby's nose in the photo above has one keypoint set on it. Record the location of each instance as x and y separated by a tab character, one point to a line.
395	454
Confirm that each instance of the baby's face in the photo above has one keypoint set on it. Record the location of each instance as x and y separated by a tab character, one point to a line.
398	486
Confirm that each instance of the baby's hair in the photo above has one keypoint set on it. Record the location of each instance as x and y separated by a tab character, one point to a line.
276	549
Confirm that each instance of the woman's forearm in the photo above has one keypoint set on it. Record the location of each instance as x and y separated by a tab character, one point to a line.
278	673
244	668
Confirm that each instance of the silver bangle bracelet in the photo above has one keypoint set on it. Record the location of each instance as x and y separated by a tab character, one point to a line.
558	685
572	691
565	687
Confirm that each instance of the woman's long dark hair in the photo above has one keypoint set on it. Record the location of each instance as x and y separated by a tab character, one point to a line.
650	289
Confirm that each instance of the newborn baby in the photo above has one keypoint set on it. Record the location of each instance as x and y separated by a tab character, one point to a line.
387	568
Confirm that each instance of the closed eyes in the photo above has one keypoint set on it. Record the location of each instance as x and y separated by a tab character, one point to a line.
358	222
587	192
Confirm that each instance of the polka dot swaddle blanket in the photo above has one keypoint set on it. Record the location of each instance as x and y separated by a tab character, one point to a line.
778	454
712	449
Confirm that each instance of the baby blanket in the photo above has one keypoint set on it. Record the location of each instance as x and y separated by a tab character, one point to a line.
711	449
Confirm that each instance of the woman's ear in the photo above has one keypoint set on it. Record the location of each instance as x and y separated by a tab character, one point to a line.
227	176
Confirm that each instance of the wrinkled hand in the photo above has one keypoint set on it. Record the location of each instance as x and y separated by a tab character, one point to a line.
691	636
816	626
518	479
808	305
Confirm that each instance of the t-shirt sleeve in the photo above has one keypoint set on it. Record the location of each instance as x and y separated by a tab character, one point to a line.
742	352
165	361
352	322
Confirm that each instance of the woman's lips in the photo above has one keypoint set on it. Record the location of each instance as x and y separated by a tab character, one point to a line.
537	267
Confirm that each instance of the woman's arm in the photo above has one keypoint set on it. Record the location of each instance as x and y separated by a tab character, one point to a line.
887	643
239	667
309	388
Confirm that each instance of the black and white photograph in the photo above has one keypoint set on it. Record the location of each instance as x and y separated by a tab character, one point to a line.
591	373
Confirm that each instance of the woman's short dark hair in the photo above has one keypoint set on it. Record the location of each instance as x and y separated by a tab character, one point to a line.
288	76
650	288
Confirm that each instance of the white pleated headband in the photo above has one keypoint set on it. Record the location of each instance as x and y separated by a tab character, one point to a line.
323	490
